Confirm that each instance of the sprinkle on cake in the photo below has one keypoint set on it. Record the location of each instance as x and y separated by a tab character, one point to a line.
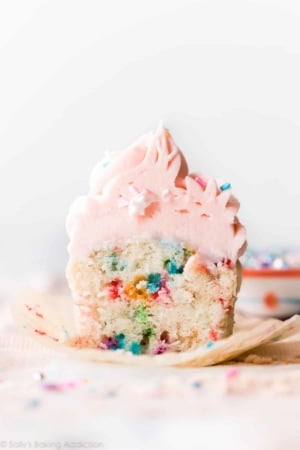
153	252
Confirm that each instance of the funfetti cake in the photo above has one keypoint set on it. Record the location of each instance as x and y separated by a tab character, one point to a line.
153	252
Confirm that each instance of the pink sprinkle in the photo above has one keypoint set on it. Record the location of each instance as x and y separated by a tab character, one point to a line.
160	349
213	335
40	332
232	373
61	386
200	181
226	262
29	308
114	288
164	296
222	301
147	191
164	288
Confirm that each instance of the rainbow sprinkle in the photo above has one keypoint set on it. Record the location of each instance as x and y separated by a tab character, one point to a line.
279	259
160	349
154	282
135	348
141	314
210	344
149	332
114	288
115	342
232	373
213	334
134	290
121	340
110	342
225	186
200	181
172	267
62	385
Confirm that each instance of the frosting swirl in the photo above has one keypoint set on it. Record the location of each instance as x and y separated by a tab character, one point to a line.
146	192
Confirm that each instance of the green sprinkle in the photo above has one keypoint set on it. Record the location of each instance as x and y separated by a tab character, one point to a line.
135	348
114	263
141	314
187	252
149	332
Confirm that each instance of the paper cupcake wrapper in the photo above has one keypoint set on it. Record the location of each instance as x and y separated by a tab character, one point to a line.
48	318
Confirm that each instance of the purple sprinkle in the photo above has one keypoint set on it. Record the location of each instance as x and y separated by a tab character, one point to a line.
110	343
160	349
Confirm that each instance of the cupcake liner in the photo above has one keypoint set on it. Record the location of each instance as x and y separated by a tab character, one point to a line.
48	318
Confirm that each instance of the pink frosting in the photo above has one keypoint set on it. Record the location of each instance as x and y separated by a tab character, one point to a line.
146	192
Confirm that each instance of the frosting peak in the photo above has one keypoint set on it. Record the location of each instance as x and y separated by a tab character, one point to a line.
146	191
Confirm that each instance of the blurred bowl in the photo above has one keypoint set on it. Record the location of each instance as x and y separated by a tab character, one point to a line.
270	292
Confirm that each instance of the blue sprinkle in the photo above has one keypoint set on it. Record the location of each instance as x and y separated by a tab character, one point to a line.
135	348
172	267
225	186
154	282
33	403
120	340
196	384
210	344
111	393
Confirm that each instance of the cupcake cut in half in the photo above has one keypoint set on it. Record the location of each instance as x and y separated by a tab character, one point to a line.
153	252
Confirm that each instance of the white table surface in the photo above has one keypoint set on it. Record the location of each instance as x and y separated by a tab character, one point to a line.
49	401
